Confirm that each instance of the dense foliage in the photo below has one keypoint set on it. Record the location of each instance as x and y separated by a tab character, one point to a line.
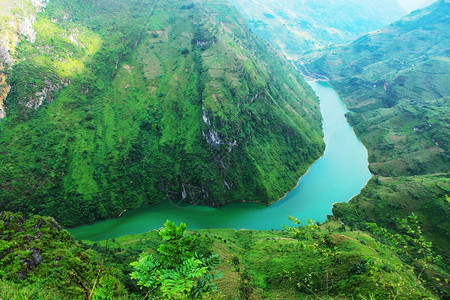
384	200
302	262
177	273
120	103
39	260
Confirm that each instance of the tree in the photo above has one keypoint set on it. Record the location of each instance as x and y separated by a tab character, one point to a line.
177	272
410	245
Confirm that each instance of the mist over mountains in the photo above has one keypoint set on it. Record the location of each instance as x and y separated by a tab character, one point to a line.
298	27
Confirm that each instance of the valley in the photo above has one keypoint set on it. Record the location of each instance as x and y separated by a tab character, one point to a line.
398	97
179	109
344	163
300	27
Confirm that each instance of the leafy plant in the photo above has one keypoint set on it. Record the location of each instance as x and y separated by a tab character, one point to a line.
176	272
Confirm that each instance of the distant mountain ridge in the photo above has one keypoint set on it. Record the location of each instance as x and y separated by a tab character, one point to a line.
411	5
297	27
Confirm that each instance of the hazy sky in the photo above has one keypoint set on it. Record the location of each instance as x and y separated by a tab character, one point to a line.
411	5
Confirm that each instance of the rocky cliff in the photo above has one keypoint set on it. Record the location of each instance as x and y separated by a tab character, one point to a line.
17	20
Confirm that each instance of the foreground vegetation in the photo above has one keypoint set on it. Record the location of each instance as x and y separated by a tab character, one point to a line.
121	103
386	199
301	262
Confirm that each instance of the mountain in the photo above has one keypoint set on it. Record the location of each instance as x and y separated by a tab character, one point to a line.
119	103
396	83
297	27
410	5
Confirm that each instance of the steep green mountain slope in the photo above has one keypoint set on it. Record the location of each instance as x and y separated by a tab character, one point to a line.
119	103
296	27
307	262
39	260
396	82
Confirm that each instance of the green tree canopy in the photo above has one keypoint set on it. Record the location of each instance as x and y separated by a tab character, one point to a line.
176	272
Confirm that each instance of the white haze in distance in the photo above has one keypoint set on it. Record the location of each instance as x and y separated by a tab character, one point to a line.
410	5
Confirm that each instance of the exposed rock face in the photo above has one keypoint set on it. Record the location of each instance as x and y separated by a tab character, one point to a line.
4	90
45	94
15	26
35	259
40	4
212	137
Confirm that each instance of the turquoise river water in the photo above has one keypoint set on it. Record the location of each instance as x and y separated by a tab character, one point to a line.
337	176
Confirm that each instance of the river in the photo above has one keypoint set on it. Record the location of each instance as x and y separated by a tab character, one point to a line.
337	176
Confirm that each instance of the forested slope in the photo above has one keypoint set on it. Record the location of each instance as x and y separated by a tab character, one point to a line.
120	103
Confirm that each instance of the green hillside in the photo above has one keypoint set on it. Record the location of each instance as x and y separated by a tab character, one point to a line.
385	199
120	103
16	24
298	27
396	81
300	262
111	104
